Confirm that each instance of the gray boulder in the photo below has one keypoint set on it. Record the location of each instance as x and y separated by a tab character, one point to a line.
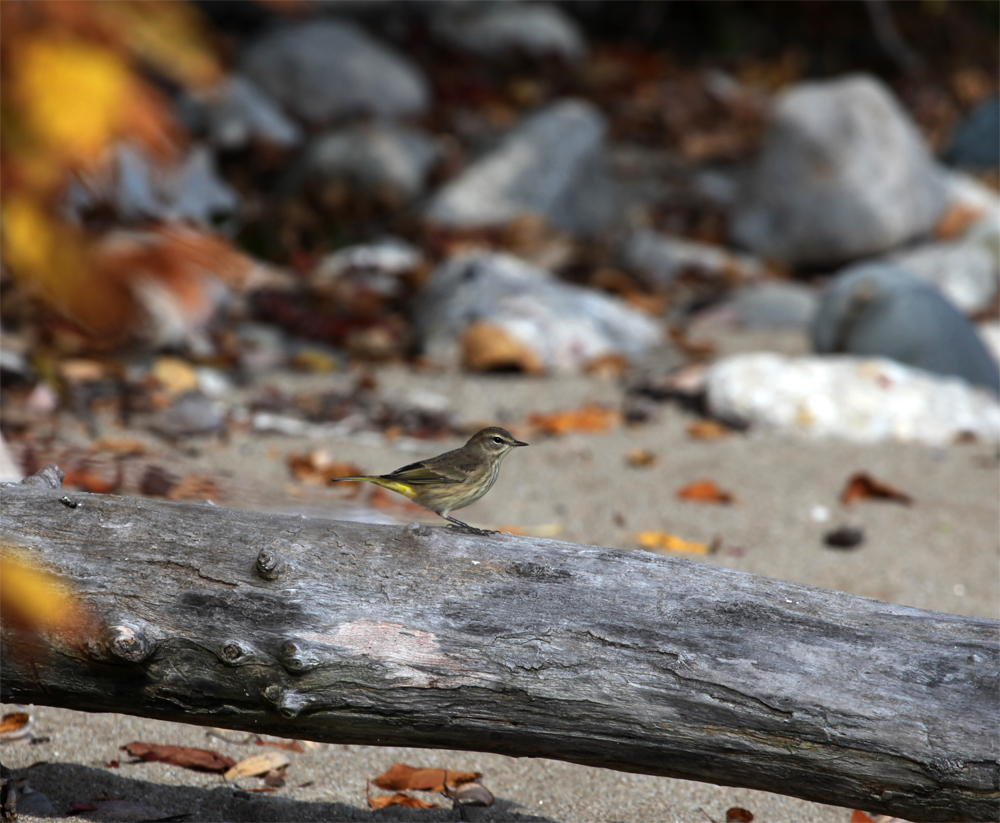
564	327
877	309
776	304
552	164
843	174
495	30
976	141
657	259
321	70
964	272
374	158
239	113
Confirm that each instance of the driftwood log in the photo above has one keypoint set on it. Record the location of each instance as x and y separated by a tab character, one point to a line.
417	636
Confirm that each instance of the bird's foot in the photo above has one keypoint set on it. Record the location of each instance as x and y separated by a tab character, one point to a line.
471	529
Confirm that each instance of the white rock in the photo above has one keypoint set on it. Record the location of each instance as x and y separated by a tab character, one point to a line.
965	272
564	325
843	174
498	29
553	164
854	398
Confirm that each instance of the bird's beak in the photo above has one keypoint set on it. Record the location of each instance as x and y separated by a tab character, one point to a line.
519	443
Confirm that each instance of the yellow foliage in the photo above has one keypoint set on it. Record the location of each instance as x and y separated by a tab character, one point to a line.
32	599
72	94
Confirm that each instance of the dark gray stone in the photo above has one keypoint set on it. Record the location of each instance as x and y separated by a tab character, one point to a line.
553	164
976	141
324	69
878	309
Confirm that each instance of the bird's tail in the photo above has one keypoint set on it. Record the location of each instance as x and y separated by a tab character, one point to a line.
385	482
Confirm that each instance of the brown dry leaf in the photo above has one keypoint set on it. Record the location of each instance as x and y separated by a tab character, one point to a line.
607	366
487	347
641	458
175	375
705	491
287	745
400	799
707	430
691	348
199	760
862	486
738	815
590	418
401	776
194	487
15	725
259	764
318	467
77	370
659	541
956	220
123	446
860	817
86	479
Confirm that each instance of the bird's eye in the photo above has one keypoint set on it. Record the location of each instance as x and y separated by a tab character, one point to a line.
498	441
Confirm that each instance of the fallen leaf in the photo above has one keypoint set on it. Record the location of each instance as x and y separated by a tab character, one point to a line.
287	745
705	491
175	375
956	220
156	482
33	600
663	541
15	725
860	817
487	347
199	760
317	467
608	366
590	418
738	815
862	486
124	446
401	776
691	348
276	777
259	764
400	799
641	458
194	487
86	479
707	430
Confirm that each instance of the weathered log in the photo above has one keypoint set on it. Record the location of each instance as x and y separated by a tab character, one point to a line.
418	636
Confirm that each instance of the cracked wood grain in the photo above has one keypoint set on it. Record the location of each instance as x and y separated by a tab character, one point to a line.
415	636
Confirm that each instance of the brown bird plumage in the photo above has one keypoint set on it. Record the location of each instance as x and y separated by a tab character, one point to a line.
452	480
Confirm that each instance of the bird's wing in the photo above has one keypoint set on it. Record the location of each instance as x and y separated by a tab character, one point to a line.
419	473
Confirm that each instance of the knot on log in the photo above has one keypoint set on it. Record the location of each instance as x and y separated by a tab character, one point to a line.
232	652
288	703
270	565
297	657
122	643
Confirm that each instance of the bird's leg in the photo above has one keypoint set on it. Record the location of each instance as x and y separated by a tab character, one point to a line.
465	526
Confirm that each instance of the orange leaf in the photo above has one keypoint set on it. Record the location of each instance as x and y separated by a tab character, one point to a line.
862	486
13	721
705	491
199	760
317	467
956	220
589	418
658	541
641	458
401	776
400	799
738	815
860	817
486	347
707	430
33	600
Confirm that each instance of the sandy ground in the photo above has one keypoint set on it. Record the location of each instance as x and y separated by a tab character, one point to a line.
942	553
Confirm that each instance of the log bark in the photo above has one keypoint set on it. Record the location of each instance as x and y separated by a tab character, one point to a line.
417	636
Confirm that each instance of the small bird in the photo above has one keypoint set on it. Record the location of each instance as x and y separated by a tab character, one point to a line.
452	480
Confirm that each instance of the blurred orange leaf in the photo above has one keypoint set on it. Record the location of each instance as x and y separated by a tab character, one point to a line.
705	491
487	347
318	467
863	486
663	541
400	799
641	458
589	418
401	776
707	430
33	600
